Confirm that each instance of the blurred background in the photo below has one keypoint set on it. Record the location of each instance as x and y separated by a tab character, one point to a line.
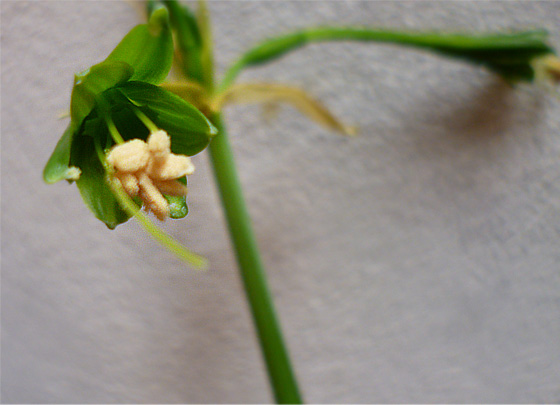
418	262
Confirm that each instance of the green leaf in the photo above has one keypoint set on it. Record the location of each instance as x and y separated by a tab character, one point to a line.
57	168
89	83
206	45
189	129
92	184
507	54
148	48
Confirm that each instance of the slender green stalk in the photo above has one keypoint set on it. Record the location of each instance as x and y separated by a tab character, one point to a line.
198	262
274	350
507	54
280	373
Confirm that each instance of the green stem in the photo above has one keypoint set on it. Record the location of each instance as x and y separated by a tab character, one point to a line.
274	350
508	54
280	373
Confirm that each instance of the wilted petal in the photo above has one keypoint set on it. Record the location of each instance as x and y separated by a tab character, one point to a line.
269	92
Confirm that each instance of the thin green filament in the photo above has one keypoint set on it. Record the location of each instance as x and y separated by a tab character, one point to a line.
145	120
198	262
115	134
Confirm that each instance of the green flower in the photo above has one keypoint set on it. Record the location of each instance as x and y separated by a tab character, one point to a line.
118	100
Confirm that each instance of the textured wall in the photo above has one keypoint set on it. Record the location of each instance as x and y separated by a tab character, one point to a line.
416	263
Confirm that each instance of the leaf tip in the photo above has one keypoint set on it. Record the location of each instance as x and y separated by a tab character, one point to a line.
159	20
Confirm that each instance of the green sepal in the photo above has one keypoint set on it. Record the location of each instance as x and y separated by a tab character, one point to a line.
93	81
148	48
57	168
189	129
93	186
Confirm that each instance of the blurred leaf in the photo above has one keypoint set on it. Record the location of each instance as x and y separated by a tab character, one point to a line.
508	54
206	45
148	48
268	92
187	55
189	129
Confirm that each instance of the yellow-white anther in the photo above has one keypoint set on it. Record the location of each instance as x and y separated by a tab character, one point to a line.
152	197
129	157
172	167
129	183
159	145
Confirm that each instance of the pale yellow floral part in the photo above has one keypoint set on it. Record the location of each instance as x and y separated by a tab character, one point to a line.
73	173
149	170
272	93
547	70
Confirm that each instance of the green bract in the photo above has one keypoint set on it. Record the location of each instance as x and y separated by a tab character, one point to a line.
121	90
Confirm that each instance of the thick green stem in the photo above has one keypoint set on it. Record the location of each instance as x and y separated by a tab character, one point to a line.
273	348
280	373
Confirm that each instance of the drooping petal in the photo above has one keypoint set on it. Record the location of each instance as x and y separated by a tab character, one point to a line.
270	92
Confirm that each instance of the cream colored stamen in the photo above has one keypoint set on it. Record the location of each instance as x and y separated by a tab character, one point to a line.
152	197
149	170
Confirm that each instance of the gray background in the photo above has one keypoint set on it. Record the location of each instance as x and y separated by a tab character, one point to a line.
418	262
